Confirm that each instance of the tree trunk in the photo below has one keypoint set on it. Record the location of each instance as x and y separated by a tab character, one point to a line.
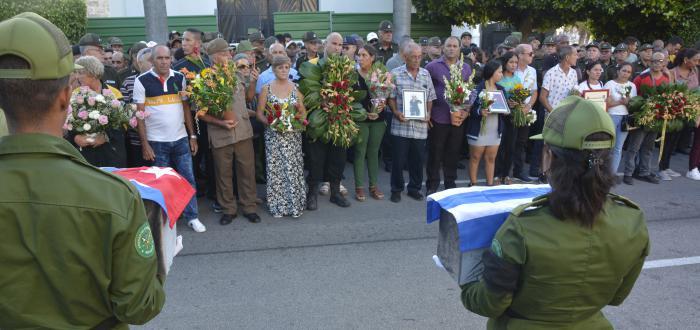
156	17
402	19
524	26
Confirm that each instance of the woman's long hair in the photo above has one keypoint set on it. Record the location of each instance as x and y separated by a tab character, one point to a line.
581	181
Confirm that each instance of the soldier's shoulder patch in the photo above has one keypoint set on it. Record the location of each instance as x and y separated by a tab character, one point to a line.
143	242
496	248
624	201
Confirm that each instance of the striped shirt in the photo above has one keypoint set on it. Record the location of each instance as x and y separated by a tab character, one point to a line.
166	120
414	129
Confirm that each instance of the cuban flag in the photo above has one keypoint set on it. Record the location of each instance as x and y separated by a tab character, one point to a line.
480	211
162	185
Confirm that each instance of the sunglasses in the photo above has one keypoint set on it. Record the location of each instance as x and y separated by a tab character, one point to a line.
657	61
243	66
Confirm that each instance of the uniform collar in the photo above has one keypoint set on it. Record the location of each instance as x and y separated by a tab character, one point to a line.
37	143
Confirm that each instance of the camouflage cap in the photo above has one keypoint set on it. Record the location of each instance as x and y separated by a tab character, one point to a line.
570	123
90	39
386	26
40	43
115	41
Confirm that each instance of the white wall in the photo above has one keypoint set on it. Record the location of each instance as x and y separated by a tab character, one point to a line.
474	30
134	8
357	6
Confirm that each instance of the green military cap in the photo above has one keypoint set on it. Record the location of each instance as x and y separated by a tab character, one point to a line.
605	46
646	46
115	41
570	123
549	40
216	46
620	48
423	41
434	41
244	46
386	26
466	34
270	41
310	37
593	44
90	39
256	36
40	43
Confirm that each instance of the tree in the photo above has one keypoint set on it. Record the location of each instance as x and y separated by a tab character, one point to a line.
155	14
68	15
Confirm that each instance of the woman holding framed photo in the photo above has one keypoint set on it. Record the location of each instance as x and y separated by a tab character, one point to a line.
483	126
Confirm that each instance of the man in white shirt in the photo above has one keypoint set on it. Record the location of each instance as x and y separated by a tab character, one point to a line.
528	76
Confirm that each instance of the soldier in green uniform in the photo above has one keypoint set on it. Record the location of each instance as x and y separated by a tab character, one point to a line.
76	251
556	262
386	48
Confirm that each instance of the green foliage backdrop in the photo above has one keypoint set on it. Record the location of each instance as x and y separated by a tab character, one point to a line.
69	15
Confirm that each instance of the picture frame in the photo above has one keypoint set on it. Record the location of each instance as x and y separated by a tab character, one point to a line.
414	104
597	96
499	106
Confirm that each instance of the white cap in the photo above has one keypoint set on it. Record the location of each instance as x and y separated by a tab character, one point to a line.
372	35
289	43
151	44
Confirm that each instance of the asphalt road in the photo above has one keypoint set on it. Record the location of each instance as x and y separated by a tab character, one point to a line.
370	267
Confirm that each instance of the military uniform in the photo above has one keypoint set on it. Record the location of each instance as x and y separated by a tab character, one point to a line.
76	251
384	54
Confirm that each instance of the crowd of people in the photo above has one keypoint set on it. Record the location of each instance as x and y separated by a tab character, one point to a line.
224	159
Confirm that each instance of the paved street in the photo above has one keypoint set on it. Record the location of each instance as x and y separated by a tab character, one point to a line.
370	267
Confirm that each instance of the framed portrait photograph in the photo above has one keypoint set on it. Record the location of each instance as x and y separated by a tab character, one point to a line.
597	96
499	103
414	104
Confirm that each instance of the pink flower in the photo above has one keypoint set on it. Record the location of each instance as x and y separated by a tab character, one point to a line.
83	115
103	120
84	89
116	104
91	101
140	114
133	122
67	127
79	100
107	92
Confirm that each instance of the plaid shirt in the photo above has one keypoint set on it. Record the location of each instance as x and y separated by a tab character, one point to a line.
414	129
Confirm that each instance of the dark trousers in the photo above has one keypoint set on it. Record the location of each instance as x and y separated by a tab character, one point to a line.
326	161
444	143
407	151
521	139
203	161
504	158
386	141
694	157
670	144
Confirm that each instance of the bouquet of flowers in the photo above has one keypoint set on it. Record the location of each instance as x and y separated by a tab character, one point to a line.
486	102
331	101
92	113
518	95
380	86
457	91
668	107
212	90
625	91
285	117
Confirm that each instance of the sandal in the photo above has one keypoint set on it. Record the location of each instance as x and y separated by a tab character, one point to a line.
360	194
375	193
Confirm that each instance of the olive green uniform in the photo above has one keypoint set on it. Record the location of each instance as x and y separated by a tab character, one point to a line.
75	248
567	272
3	124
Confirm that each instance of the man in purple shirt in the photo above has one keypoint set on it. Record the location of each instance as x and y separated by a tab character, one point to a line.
444	139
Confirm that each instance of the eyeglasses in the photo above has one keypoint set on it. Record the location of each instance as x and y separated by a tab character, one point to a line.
243	66
529	54
657	61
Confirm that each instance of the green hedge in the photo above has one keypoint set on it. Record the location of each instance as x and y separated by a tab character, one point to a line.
69	15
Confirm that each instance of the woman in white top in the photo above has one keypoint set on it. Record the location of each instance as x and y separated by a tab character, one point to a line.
591	77
621	90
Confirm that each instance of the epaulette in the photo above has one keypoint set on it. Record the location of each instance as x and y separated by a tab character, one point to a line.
623	201
537	202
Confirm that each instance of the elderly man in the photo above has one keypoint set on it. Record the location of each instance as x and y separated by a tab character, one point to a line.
91	45
267	76
386	48
326	160
444	139
118	61
167	135
142	63
409	135
231	143
528	76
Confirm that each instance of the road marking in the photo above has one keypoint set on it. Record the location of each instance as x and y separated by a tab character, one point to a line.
671	262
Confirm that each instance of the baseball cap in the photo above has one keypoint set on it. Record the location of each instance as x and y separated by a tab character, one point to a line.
605	46
350	40
310	37
256	36
115	41
290	43
40	43
386	26
646	46
434	41
244	46
465	34
423	41
549	40
593	44
620	47
570	123
372	36
90	39
217	45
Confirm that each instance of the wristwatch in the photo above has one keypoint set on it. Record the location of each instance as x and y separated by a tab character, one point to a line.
193	137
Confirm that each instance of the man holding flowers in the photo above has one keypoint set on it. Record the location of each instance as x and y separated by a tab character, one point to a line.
446	136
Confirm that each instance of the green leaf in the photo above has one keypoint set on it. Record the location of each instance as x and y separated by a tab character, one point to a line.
359	95
358	113
310	71
307	86
312	101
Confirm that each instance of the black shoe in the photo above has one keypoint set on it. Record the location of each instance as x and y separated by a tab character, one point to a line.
395	196
339	200
226	219
461	166
312	198
522	178
216	207
252	217
649	178
627	179
431	191
387	167
415	195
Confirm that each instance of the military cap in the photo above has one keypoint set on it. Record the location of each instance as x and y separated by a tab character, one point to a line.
40	43
386	26
310	37
510	42
115	41
269	42
605	46
423	41
90	39
646	46
620	48
465	34
593	44
217	45
244	46
256	36
572	121
549	40
434	41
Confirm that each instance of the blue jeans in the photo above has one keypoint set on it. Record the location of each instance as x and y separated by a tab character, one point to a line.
177	155
620	138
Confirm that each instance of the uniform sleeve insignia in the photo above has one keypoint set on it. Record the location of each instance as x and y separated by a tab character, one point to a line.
496	248
144	241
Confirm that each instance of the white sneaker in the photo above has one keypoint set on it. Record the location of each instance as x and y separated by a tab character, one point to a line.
672	173
325	188
343	190
664	176
196	225
693	175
